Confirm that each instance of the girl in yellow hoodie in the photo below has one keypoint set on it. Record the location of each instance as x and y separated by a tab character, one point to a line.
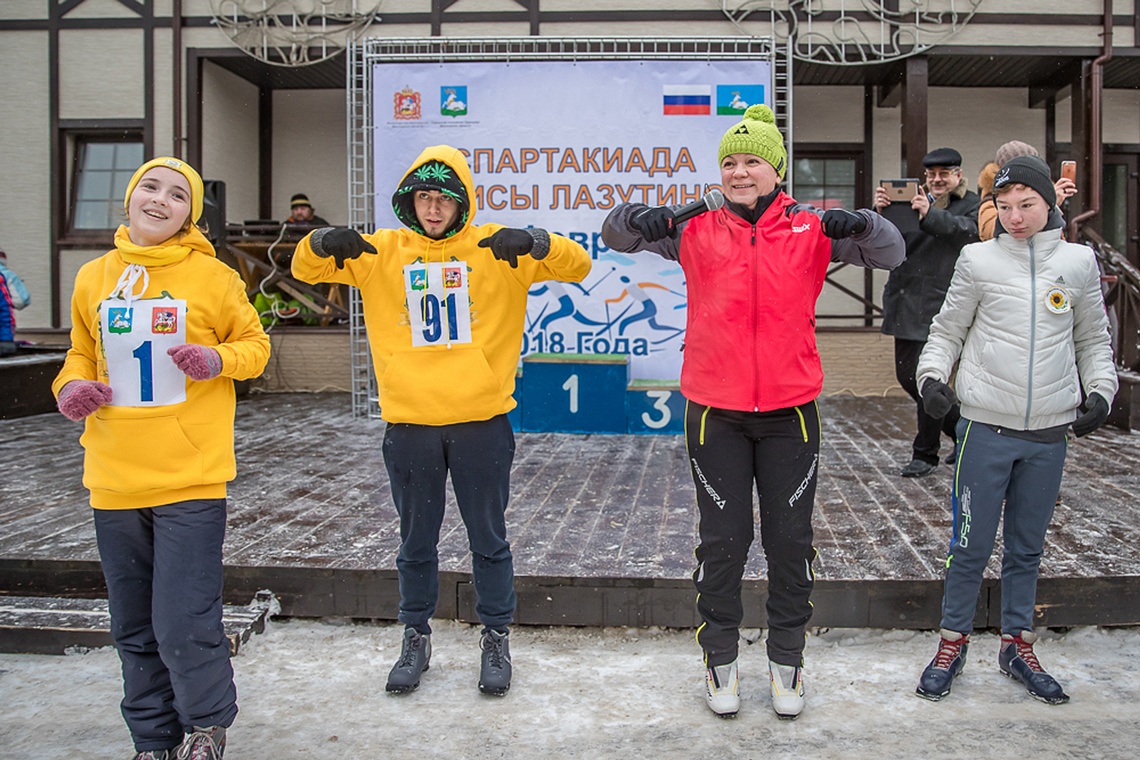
160	330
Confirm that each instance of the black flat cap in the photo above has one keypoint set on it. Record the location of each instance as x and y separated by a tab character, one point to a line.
942	157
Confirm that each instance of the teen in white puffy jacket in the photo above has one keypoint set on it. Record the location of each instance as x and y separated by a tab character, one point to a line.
1025	319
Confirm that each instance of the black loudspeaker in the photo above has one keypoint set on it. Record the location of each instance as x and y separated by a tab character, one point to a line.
214	209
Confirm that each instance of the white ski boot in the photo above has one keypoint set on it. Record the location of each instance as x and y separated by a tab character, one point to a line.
722	689
787	690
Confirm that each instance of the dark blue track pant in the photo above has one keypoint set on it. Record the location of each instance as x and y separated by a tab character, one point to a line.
163	567
999	478
478	455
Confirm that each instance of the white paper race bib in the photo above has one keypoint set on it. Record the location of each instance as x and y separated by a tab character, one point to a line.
438	305
135	339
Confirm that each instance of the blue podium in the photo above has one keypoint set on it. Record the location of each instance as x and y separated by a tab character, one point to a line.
515	415
655	406
574	393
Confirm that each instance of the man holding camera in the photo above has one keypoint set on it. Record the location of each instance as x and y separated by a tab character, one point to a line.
947	220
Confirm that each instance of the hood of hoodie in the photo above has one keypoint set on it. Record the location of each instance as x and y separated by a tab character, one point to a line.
442	168
169	251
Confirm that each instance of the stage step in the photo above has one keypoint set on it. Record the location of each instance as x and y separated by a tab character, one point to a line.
49	625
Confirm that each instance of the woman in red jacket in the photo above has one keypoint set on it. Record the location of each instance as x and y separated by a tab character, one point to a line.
754	270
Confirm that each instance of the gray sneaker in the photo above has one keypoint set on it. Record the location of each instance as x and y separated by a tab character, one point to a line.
155	754
203	744
415	658
495	675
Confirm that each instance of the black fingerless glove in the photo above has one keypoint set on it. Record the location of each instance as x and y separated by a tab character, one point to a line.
655	223
340	243
937	398
1095	415
840	223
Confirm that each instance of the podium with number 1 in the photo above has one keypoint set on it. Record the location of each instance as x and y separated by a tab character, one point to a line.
574	393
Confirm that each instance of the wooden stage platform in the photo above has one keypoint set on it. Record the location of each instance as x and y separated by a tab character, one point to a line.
602	526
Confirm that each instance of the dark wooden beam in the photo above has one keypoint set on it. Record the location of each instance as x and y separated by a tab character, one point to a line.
1050	146
437	9
914	114
1057	85
137	7
532	15
866	190
890	95
148	85
63	7
57	161
265	153
194	63
1079	151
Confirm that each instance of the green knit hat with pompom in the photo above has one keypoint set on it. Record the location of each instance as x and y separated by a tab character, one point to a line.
758	136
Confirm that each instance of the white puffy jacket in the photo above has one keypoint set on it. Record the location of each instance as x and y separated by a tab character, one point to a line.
1027	319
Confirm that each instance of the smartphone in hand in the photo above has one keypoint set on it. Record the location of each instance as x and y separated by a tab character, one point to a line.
1069	170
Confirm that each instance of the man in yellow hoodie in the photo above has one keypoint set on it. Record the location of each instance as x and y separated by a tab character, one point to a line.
445	308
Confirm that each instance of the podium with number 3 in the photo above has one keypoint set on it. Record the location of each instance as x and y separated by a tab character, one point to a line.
591	393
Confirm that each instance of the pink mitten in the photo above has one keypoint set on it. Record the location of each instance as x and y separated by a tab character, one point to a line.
198	362
80	398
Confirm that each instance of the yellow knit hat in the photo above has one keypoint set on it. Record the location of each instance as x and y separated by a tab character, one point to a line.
182	168
757	135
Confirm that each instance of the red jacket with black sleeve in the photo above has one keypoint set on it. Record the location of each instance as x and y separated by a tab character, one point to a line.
752	289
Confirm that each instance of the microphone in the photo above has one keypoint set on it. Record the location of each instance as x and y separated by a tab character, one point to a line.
712	200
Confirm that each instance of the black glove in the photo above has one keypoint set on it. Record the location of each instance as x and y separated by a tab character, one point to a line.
508	244
1096	412
937	398
840	223
656	223
341	243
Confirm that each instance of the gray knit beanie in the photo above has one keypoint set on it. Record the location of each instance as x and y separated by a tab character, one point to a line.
1013	149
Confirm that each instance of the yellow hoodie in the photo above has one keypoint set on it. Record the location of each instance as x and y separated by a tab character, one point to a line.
138	457
456	380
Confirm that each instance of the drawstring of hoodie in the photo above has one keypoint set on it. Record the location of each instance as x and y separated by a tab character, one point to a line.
443	301
125	287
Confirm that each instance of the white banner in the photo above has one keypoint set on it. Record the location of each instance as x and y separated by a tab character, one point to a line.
557	144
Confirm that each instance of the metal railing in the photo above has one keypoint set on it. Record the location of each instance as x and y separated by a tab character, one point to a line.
364	54
1122	298
361	217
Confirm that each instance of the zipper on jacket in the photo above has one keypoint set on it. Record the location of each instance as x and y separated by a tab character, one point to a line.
1032	329
755	321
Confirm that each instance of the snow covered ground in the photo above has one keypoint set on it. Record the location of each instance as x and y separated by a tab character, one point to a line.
313	689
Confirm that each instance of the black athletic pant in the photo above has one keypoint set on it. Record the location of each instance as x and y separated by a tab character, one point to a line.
729	452
928	438
478	455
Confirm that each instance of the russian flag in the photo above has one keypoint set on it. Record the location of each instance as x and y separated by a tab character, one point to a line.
687	99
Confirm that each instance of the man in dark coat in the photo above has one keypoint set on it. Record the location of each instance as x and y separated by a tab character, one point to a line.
948	219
